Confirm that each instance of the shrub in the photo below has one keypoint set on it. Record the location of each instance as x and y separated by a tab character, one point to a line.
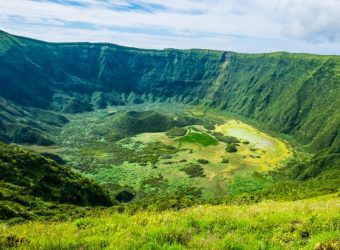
203	161
124	196
225	160
194	170
231	148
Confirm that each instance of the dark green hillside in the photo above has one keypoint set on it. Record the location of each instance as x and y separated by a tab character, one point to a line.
295	94
31	185
124	124
78	70
28	125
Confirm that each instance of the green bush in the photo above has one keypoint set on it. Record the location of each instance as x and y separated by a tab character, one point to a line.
124	196
231	148
194	170
202	161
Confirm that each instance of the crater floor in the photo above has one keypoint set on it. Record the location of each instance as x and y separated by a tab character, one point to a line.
165	148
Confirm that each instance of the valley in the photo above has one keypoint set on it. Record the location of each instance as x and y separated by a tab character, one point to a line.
161	160
110	147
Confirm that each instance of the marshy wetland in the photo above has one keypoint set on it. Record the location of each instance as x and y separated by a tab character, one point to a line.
159	149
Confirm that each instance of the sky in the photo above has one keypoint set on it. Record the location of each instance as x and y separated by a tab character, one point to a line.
250	26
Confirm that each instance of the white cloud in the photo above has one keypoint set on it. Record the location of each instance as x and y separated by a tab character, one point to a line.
312	20
241	25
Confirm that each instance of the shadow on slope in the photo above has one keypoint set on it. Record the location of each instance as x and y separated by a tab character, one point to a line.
32	185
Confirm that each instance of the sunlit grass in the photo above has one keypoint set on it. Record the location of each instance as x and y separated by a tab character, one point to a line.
268	225
199	138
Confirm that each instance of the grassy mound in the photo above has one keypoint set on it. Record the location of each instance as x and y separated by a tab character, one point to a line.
129	123
134	122
176	132
198	138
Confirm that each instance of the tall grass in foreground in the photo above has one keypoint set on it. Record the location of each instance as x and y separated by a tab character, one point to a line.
305	224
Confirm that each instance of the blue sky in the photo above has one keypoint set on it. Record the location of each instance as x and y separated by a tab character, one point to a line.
311	26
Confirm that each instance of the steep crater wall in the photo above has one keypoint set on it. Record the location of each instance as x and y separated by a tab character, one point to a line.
296	94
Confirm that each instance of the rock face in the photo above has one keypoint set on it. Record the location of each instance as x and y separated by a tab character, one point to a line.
297	94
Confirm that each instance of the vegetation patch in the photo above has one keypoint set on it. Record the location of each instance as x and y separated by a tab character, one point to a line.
29	183
202	161
155	182
194	170
198	138
247	184
307	224
231	148
209	126
225	160
124	196
176	132
226	139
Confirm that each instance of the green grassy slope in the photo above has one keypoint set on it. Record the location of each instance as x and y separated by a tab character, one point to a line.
32	185
309	224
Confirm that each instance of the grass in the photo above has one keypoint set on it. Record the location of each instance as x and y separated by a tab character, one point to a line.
243	184
306	224
199	138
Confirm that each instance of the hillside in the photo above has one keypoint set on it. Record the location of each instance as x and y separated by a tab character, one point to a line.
28	125
32	186
77	77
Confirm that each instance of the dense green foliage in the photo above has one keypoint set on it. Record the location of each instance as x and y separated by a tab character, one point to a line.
28	181
227	139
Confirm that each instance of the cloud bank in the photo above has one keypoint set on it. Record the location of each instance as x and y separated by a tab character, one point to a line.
238	25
